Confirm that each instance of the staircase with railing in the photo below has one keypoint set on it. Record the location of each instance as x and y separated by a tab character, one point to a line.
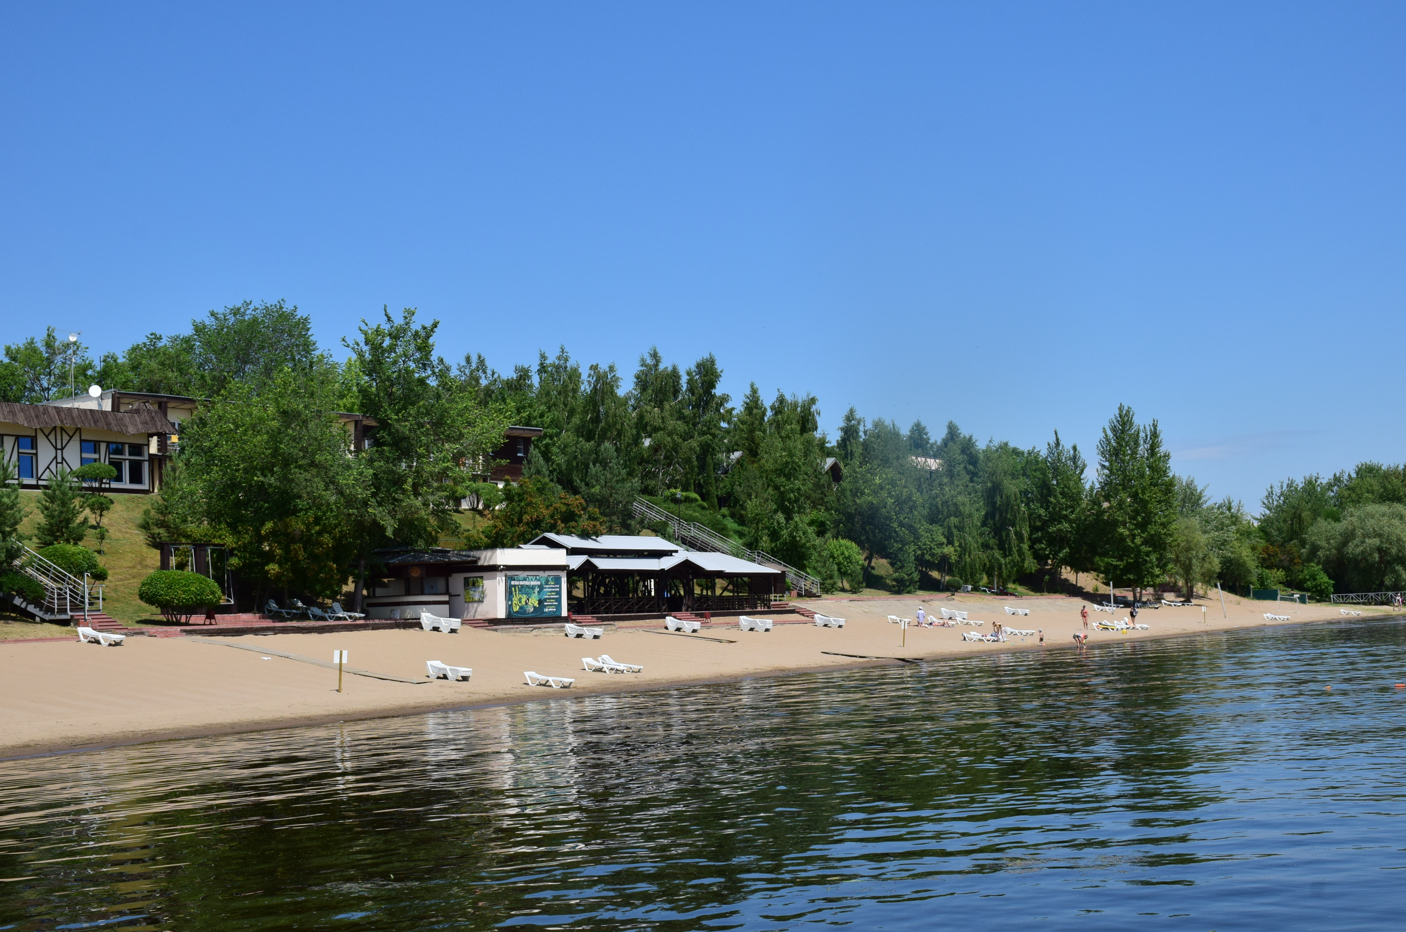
64	594
693	536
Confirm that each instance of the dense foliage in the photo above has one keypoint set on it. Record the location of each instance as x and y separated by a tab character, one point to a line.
74	560
178	593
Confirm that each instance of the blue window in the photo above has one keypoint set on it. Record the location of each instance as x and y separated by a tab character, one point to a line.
24	461
116	449
121	471
91	452
134	472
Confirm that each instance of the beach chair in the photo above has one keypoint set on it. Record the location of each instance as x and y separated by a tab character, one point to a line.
434	670
272	610
893	619
970	621
1103	608
1020	632
1017	611
1270	616
828	621
340	614
1139	626
317	614
624	667
593	665
105	638
1346	612
973	636
754	624
435	623
556	682
582	631
687	627
297	609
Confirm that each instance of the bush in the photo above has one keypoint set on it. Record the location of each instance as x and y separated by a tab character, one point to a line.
74	560
179	594
954	584
22	586
1316	582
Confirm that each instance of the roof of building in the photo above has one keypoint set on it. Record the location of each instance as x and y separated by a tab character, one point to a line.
518	430
140	419
400	556
610	544
708	562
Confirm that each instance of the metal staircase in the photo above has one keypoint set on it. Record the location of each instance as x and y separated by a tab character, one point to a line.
64	594
693	536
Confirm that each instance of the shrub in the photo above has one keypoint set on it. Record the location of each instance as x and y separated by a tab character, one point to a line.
179	594
954	584
22	586
74	560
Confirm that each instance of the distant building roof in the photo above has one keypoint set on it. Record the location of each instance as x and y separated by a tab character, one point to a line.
929	463
619	545
404	556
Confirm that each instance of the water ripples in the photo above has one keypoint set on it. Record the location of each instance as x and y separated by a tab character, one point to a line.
1206	783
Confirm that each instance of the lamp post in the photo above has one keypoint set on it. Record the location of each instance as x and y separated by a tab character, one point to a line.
72	357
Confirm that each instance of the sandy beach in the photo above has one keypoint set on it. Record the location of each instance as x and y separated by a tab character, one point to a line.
66	695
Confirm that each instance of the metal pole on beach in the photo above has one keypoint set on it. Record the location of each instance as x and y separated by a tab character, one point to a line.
1222	600
339	657
903	624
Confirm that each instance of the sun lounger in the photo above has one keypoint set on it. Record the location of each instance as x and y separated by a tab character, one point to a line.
105	638
968	621
593	665
317	614
1176	604
687	627
582	631
828	621
434	670
1139	626
297	609
893	619
1019	632
951	614
1270	616
340	614
1017	611
1346	612
434	622
625	667
978	636
272	610
556	682
755	624
1113	625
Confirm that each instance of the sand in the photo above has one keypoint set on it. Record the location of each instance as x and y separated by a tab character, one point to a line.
58	696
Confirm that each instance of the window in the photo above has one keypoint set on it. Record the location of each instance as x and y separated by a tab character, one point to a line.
24	460
91	452
129	459
521	447
435	585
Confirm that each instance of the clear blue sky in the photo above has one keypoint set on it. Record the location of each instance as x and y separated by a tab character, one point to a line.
1014	216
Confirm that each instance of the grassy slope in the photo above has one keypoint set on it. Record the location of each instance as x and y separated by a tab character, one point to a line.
128	559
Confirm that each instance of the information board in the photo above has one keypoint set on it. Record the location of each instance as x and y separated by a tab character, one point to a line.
534	597
473	588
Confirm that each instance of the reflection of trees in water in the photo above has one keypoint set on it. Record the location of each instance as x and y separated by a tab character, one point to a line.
668	803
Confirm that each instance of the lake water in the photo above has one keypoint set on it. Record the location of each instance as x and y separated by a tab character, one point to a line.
1201	783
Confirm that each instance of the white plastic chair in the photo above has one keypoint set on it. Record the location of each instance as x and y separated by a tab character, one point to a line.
105	638
582	631
828	621
1017	611
432	622
624	667
592	665
755	624
434	670
556	682
687	627
1346	612
1270	616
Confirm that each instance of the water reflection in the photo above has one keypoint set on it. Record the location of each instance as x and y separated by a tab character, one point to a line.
1200	781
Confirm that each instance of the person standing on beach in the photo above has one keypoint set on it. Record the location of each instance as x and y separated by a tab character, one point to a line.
1134	613
1042	637
922	617
1084	614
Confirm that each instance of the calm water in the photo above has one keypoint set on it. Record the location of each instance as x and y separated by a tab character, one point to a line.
1200	784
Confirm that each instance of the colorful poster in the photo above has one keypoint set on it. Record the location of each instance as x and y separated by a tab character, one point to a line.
534	597
473	588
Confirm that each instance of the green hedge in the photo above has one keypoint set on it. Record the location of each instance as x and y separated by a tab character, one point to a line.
954	584
75	560
22	586
178	593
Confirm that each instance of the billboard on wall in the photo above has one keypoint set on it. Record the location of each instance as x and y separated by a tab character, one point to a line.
534	597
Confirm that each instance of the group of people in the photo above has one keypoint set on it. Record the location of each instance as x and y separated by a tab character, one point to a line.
924	620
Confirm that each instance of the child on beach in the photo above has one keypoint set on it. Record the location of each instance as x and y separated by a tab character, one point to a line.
1042	637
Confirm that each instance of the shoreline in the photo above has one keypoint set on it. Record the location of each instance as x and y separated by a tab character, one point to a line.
167	692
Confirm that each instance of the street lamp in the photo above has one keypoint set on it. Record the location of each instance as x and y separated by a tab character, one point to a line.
72	356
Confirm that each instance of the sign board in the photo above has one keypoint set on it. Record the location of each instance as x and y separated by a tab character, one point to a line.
534	597
473	588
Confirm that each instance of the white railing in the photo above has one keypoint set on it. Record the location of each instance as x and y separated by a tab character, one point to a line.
62	590
691	534
1367	598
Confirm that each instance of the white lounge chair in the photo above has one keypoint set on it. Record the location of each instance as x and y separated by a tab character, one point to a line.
582	631
1139	626
1346	612
687	627
1017	611
755	624
969	621
556	682
105	638
978	636
1103	608
1112	625
1270	616
828	621
434	622
1020	632
340	614
951	614
893	619
624	667
434	670
593	665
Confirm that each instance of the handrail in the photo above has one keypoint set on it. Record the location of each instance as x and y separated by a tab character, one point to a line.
1365	598
686	532
61	588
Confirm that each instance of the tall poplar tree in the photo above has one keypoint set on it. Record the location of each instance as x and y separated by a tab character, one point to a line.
1136	501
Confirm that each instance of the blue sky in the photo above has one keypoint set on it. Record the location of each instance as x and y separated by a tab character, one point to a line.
1014	216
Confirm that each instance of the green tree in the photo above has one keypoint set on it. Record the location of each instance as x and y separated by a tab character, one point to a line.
1137	498
95	502
1060	507
159	365
61	518
12	515
533	508
249	345
848	562
1191	555
1365	551
36	371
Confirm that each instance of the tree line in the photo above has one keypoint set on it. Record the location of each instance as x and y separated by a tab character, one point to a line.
264	468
